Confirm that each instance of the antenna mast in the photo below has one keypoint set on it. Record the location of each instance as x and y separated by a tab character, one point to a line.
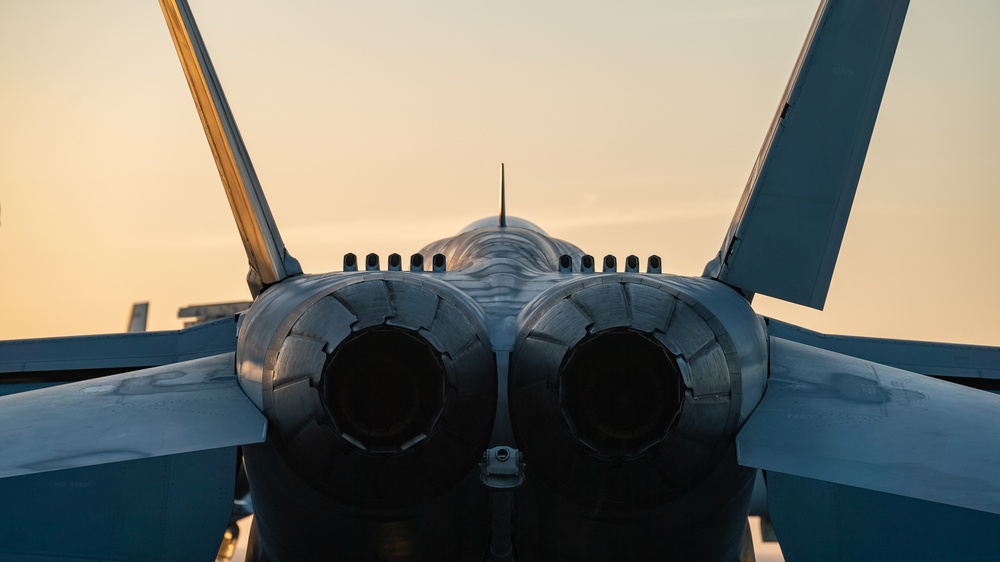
503	200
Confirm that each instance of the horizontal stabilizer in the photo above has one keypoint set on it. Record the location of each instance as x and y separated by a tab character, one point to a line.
839	419
973	365
75	358
785	236
177	408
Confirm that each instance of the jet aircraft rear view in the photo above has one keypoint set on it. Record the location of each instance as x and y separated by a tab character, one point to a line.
503	395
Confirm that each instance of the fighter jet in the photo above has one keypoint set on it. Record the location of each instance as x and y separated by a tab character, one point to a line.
502	394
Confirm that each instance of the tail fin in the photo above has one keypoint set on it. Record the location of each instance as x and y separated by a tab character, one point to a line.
269	261
137	319
785	236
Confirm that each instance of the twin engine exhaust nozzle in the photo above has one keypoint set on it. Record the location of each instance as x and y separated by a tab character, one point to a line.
384	388
623	379
628	381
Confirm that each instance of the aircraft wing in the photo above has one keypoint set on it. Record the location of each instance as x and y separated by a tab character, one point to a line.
840	419
785	236
823	521
177	408
977	366
33	363
137	431
132	395
847	420
172	507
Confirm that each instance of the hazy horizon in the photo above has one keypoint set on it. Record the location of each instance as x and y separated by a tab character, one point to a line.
625	129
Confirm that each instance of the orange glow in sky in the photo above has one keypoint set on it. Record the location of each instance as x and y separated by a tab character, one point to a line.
379	127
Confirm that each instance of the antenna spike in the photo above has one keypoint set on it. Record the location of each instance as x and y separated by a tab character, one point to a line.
503	200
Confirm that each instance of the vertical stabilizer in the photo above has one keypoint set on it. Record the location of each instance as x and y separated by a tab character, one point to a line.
269	261
137	319
786	234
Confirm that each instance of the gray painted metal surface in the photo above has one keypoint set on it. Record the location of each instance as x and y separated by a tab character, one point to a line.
927	358
840	419
503	269
818	521
155	509
188	406
137	319
28	360
269	261
204	313
786	233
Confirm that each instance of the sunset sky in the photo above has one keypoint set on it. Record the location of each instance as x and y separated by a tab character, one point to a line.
380	126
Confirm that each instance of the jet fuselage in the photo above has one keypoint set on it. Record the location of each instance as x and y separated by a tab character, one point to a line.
622	391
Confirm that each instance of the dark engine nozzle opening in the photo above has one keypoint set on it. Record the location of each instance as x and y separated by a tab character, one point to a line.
624	390
384	389
620	391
